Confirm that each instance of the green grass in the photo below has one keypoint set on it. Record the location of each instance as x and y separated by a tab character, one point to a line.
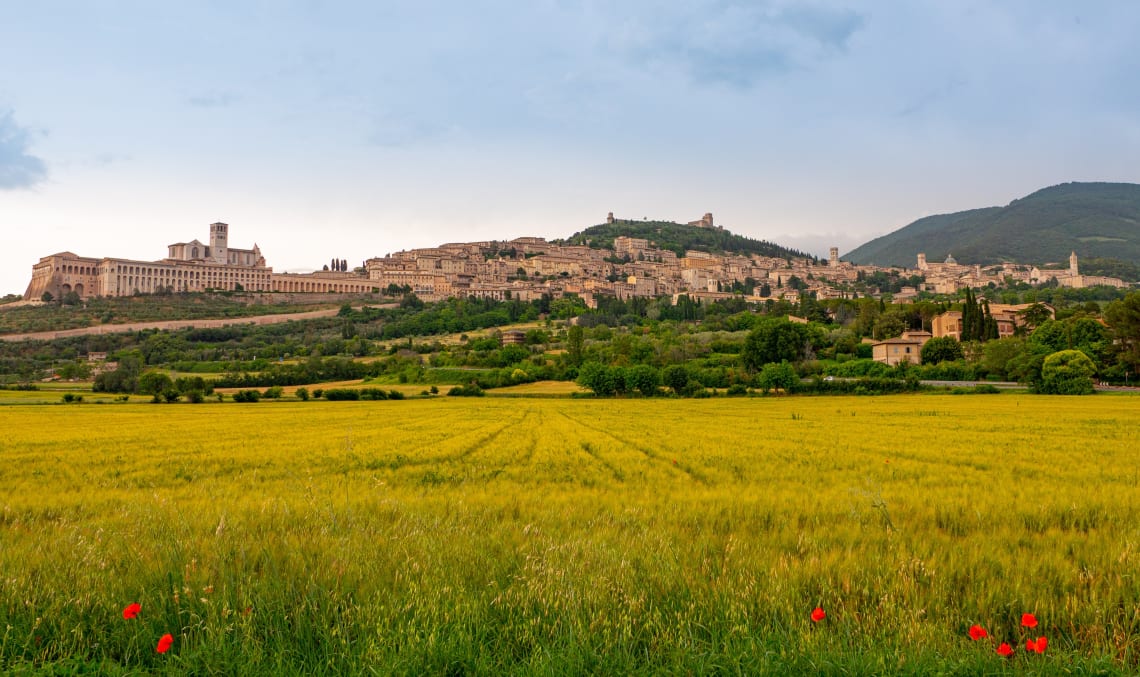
560	536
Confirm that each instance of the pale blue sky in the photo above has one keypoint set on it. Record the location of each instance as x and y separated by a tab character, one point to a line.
352	129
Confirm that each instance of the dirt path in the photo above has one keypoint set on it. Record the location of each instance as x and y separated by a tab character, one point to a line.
173	324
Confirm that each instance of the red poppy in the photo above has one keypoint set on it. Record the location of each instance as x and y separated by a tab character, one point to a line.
1005	650
131	610
1029	620
1041	644
818	615
164	643
978	632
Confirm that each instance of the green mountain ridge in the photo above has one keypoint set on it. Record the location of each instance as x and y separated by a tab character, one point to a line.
1096	220
679	238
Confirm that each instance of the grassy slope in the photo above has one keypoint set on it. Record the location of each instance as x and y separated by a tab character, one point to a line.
562	537
123	310
1094	219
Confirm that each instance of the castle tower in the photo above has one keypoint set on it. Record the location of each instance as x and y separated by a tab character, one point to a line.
219	239
1073	264
921	261
833	257
610	217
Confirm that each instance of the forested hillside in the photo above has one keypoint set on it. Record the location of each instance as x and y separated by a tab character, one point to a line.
1096	220
678	238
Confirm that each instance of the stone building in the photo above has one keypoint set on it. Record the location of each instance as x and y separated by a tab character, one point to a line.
192	266
906	348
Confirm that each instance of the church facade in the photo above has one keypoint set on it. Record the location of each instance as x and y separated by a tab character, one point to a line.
192	266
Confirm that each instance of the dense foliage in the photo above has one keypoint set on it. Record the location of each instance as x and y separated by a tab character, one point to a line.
679	238
643	347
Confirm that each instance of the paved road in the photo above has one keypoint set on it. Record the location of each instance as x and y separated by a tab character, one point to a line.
1005	385
1012	385
175	324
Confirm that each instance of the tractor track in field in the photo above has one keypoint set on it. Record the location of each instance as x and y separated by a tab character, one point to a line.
649	453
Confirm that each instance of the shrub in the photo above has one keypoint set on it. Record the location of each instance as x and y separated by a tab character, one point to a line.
777	377
861	386
302	394
1067	372
339	394
676	377
600	378
941	349
642	378
695	389
273	392
469	390
318	393
247	396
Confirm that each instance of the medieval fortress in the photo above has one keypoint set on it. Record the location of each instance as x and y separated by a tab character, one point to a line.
525	268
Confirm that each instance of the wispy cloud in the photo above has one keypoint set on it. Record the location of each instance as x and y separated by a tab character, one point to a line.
103	160
738	43
213	100
18	167
830	28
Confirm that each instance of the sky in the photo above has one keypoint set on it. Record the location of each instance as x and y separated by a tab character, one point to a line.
354	129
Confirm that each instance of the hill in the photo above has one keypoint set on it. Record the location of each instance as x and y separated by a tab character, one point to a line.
1096	220
678	238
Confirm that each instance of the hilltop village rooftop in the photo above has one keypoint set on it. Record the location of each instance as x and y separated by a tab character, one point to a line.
524	268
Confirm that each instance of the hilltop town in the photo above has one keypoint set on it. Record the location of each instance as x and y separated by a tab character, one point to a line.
528	268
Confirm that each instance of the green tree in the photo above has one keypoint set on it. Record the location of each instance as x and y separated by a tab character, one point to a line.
597	378
1034	315
642	378
997	356
125	379
575	345
1067	372
776	377
1124	318
676	378
889	325
775	340
1052	335
154	383
941	349
1090	337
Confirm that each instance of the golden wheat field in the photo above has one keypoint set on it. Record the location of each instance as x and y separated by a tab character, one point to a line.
571	536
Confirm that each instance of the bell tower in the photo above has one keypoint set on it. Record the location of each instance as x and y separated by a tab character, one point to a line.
1073	264
219	238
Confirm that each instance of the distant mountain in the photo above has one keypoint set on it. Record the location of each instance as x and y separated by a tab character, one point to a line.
1096	220
679	238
